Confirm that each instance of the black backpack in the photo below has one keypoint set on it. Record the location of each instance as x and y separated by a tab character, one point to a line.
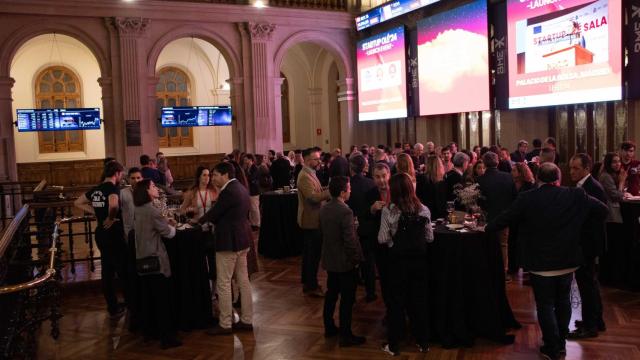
409	239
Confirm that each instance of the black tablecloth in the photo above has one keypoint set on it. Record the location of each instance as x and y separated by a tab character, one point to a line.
191	295
280	235
628	258
467	289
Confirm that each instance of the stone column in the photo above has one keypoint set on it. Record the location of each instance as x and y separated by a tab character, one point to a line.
315	116
239	124
277	118
150	127
266	134
114	144
8	167
134	84
346	100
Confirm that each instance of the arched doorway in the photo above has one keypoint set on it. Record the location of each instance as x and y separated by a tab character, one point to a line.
311	75
57	71
192	72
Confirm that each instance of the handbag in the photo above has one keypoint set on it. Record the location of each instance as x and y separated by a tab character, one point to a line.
148	265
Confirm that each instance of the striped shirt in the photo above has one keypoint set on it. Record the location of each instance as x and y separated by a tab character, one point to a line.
389	224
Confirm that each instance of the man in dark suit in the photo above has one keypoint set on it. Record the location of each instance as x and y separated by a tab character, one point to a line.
537	147
360	186
341	255
549	221
280	171
376	199
592	239
149	172
521	152
230	215
456	175
498	190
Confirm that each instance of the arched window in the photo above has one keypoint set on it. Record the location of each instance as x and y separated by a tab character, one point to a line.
173	89
284	103
59	87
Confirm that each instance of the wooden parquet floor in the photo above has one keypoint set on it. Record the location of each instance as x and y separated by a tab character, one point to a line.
289	326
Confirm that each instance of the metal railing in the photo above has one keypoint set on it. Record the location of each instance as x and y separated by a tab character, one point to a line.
14	194
29	288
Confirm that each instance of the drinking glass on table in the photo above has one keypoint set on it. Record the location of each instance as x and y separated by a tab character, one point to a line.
450	209
292	183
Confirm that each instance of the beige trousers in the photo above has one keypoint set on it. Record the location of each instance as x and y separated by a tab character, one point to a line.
254	211
231	264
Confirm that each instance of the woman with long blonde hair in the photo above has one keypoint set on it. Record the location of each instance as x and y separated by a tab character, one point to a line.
404	165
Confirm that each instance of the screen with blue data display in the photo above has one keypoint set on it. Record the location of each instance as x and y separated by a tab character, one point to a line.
187	116
58	119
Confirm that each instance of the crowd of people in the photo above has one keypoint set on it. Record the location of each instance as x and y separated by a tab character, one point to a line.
367	215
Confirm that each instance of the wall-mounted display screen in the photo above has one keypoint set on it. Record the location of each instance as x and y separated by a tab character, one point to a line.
187	116
453	60
58	119
382	76
388	11
564	52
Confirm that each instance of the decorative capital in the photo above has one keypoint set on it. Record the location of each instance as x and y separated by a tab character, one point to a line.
105	81
7	82
131	25
261	31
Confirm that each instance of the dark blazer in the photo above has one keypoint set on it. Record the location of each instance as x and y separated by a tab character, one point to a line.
498	190
452	178
549	221
518	156
594	233
280	172
360	186
341	250
533	153
153	174
253	180
339	167
230	215
369	225
432	195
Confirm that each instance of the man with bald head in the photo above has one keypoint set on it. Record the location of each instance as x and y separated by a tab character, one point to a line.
549	220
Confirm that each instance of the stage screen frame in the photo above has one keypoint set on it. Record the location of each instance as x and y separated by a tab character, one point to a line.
384	101
442	42
543	89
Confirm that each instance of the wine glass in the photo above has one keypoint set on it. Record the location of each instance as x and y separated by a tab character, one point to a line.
450	208
292	182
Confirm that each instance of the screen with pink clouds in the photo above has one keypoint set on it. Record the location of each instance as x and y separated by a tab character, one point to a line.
564	52
453	61
382	76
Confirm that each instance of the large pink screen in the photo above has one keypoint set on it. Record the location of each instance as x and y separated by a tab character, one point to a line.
382	76
453	60
564	52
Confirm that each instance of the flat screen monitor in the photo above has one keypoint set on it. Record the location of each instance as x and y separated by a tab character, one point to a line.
382	76
564	52
58	119
188	116
389	11
453	60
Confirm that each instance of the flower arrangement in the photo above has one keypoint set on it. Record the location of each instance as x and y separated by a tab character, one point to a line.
468	196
